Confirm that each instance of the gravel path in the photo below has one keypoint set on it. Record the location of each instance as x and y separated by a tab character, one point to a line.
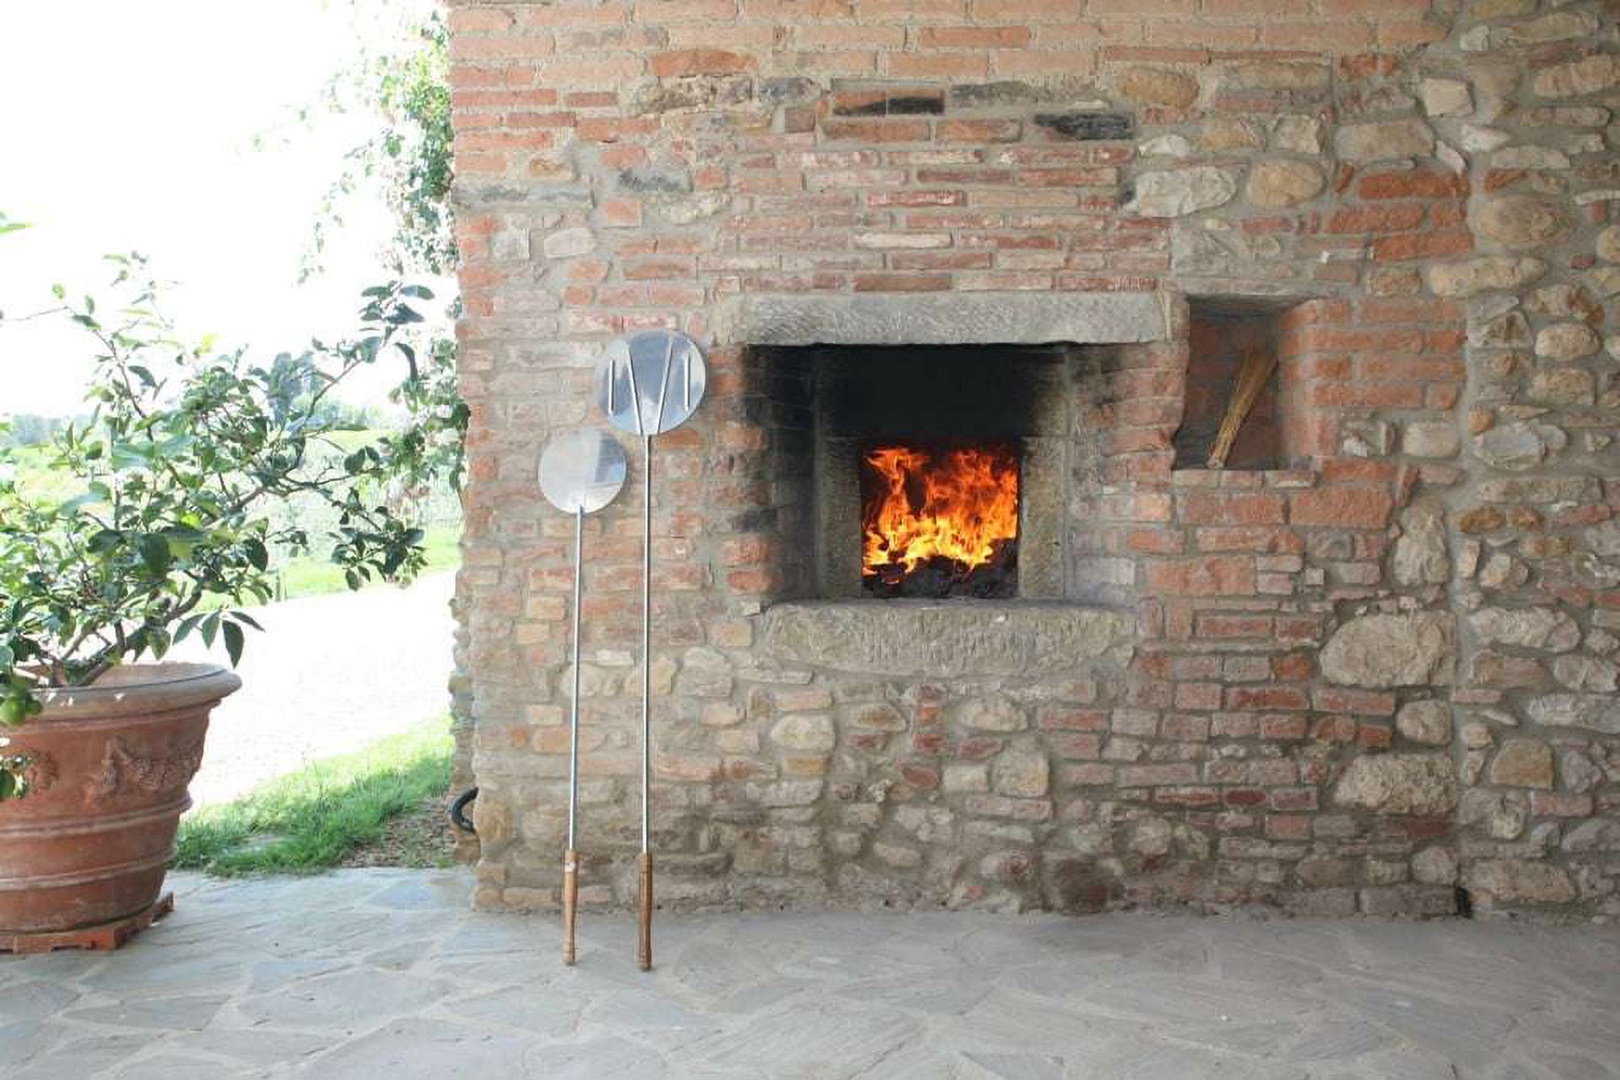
330	674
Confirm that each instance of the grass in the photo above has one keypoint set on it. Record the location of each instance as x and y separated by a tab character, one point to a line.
317	818
35	476
315	576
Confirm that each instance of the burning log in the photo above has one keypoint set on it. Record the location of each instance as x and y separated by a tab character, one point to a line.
940	522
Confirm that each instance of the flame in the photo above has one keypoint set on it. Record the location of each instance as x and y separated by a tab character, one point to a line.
956	503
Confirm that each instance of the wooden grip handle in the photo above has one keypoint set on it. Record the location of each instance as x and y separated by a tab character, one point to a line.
644	948
570	902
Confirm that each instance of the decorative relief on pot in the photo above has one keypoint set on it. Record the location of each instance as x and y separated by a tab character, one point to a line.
126	770
41	774
36	771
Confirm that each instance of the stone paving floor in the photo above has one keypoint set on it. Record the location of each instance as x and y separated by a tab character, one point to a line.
384	973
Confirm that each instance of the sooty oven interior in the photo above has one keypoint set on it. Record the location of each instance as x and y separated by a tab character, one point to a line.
929	472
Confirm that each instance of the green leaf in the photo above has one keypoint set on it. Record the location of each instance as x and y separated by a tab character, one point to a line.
128	456
258	555
234	641
155	554
77	503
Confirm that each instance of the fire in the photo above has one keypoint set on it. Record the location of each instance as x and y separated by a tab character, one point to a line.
959	504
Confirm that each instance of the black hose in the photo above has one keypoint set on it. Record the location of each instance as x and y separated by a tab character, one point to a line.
458	806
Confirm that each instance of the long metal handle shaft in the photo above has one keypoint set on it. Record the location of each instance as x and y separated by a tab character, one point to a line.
571	857
646	648
644	951
573	708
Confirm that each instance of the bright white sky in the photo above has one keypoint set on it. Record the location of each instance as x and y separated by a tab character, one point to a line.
130	126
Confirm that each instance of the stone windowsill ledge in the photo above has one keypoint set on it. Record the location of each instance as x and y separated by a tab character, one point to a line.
949	638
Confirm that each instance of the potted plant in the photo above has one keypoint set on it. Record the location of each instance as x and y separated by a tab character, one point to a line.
169	525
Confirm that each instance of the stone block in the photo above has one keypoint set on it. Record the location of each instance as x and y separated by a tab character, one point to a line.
1021	774
1487	274
990	714
1527	628
1509	882
1179	192
1427	722
1520	222
1157	86
1523	763
808	732
1381	141
1282	183
1423	785
1385	651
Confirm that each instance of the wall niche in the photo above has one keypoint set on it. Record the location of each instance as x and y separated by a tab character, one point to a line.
1223	333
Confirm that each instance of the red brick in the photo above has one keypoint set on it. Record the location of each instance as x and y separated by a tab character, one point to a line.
700	62
1346	507
1288	698
902	282
1187	796
973	37
1185	728
1288	826
1259	540
922	777
845	35
1390	217
1424	245
1026	11
1207	576
1202	696
1234	626
876	130
980	130
1067	718
1413	185
969	65
504	47
1364	395
1076	747
1219	508
621	213
1359	702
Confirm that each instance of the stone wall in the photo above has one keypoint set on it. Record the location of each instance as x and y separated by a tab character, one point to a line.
1354	684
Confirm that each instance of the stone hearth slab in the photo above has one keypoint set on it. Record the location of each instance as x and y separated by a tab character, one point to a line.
948	639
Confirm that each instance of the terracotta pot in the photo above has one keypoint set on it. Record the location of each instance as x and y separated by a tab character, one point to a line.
91	841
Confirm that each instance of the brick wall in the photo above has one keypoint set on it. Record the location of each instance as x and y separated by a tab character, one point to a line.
1358	682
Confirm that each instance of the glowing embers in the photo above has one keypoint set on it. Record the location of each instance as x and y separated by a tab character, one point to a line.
939	520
